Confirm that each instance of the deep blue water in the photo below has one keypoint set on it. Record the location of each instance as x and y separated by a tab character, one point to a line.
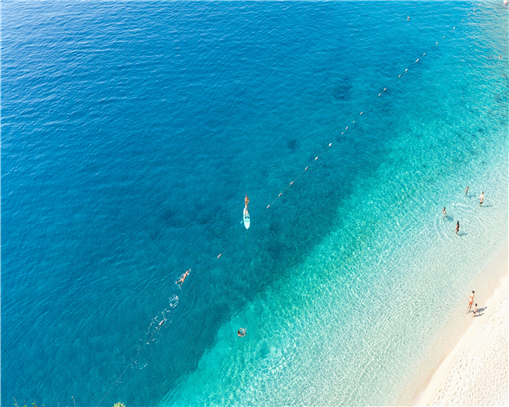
131	132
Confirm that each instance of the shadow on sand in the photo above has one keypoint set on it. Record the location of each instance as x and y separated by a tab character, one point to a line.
480	312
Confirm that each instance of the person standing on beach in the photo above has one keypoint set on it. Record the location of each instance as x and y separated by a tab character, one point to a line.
481	199
457	227
466	191
470	301
475	309
445	215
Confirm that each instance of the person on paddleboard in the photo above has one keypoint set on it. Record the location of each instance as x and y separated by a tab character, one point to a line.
183	278
246	201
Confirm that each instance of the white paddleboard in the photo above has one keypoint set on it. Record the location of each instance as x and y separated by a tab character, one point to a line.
247	220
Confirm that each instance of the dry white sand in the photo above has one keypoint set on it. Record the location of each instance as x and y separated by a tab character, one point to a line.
475	373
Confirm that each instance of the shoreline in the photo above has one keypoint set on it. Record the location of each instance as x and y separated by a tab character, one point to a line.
475	372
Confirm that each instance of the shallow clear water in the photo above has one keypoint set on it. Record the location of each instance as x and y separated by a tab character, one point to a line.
131	133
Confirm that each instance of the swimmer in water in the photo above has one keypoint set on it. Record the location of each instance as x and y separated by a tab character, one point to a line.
445	215
183	278
457	227
241	332
470	301
466	191
481	199
408	19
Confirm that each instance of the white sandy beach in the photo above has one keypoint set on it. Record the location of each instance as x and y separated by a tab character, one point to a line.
475	373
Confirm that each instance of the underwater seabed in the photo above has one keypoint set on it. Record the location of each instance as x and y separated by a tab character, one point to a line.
130	136
353	324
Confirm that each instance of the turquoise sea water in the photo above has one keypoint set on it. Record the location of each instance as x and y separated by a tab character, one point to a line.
131	133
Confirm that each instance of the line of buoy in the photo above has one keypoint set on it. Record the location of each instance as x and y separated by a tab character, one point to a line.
323	151
268	206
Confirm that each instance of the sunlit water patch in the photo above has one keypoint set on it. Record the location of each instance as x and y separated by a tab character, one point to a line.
130	136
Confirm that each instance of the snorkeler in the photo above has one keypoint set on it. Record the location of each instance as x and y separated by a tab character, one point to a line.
183	278
241	332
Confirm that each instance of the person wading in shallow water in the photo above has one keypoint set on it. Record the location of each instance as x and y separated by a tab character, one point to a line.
457	227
